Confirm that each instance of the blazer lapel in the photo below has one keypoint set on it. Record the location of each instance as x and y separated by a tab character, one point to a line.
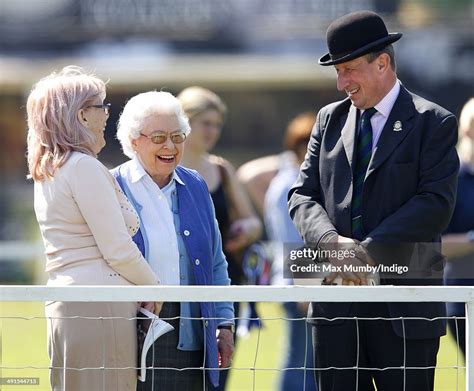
348	134
396	128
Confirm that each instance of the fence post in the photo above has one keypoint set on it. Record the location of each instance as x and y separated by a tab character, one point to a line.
470	345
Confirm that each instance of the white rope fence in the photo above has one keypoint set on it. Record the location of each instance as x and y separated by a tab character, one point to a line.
237	293
29	293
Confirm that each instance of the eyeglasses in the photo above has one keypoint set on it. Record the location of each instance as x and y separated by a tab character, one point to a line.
103	106
160	138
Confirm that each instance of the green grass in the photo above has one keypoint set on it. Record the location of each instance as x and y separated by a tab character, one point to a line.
272	343
23	343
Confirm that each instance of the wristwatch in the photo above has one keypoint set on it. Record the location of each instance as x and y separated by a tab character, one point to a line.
230	327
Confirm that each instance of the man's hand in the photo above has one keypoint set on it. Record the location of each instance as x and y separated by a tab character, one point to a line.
360	259
363	255
225	345
348	277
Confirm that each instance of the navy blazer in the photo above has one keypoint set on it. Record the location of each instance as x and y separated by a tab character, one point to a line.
409	192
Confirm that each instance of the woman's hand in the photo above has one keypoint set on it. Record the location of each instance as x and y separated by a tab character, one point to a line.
158	305
225	346
242	233
148	305
152	306
237	243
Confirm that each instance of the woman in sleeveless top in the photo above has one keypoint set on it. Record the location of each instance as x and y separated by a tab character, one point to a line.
86	223
237	220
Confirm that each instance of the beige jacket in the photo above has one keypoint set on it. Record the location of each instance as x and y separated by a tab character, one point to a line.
86	223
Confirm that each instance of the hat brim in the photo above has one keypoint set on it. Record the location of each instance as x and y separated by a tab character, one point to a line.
380	43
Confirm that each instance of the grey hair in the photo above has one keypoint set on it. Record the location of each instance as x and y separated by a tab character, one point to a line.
388	50
142	106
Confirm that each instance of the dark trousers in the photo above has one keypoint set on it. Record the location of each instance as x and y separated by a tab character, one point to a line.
371	344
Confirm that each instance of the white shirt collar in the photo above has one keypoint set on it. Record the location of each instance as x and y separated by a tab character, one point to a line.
385	106
137	172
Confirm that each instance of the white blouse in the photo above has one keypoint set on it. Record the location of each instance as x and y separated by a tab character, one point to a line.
157	221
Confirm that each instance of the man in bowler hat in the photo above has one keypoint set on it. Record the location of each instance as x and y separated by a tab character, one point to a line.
381	168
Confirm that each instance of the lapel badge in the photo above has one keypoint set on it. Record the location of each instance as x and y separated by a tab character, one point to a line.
397	126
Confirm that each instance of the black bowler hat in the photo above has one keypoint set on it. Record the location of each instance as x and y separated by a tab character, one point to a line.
354	35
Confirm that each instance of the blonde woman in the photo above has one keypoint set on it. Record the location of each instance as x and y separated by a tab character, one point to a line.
238	223
86	223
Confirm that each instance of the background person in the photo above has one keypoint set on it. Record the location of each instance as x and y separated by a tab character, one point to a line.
256	175
238	223
179	237
86	223
381	168
281	230
458	239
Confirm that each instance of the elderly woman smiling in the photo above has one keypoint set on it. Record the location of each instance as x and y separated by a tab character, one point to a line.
179	237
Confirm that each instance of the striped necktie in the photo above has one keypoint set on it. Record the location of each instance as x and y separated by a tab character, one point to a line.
363	154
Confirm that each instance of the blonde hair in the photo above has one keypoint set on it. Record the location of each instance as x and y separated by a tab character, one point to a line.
466	131
54	130
197	100
142	106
